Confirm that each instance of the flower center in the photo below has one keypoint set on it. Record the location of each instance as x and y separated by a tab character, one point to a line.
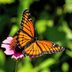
14	46
13	43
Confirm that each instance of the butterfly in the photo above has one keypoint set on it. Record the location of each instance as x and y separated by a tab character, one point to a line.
27	41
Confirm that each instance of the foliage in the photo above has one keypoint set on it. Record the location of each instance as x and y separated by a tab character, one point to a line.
52	21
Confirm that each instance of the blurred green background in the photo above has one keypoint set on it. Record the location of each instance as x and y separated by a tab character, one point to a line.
52	21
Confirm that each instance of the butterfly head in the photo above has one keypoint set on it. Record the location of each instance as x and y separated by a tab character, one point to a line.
26	11
35	38
17	49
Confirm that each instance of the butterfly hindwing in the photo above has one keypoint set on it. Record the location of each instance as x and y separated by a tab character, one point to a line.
39	48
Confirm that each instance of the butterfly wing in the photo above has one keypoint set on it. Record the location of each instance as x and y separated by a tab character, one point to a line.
26	31
39	48
25	36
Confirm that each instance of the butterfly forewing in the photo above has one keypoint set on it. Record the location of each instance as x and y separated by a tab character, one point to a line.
27	23
26	31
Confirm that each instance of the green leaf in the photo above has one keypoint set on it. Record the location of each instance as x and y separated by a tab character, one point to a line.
68	6
46	70
49	23
13	30
1	70
59	11
65	67
2	58
46	63
6	1
41	26
69	53
26	67
67	30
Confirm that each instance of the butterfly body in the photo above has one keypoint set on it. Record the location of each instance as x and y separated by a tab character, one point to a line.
29	44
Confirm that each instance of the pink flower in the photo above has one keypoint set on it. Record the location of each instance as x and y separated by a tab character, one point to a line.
10	44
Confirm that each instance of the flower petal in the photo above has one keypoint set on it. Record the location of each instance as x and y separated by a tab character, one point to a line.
9	52
5	46
8	40
17	55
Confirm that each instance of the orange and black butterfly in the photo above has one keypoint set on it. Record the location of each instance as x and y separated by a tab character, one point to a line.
31	46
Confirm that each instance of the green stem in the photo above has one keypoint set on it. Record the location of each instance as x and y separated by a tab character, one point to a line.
16	65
